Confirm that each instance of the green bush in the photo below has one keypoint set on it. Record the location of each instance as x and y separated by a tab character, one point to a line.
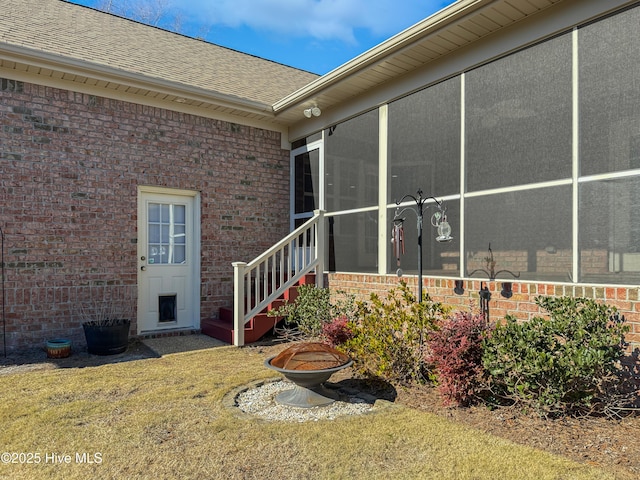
313	308
388	338
559	365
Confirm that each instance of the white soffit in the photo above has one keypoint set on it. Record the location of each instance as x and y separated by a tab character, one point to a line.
462	23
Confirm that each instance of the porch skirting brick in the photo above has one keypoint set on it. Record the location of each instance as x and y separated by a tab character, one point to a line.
521	305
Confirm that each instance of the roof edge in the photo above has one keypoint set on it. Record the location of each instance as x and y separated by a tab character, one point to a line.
185	36
98	71
426	27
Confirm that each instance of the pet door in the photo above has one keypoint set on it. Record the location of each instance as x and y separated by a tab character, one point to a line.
167	308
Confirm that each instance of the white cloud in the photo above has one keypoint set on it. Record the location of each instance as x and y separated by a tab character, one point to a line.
320	19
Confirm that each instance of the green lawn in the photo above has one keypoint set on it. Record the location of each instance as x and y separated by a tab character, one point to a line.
163	418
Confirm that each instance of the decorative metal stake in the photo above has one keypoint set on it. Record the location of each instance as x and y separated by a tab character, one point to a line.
484	293
485	296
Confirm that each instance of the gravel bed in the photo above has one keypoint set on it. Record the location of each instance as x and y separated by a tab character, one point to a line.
260	401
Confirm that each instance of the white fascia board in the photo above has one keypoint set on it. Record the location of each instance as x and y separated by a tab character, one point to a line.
39	58
427	26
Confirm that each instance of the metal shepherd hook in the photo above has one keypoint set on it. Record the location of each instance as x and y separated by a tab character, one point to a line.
438	220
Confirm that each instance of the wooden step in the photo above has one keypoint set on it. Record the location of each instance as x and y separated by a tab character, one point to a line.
219	329
254	330
308	279
226	315
261	324
276	304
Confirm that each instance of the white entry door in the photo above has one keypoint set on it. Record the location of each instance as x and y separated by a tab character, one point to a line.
168	260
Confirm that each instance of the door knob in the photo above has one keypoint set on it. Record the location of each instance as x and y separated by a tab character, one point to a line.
143	268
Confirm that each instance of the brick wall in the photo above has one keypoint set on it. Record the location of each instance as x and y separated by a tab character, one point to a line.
71	164
521	305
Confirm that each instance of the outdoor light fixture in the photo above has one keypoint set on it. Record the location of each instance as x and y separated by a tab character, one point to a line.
438	220
312	112
459	288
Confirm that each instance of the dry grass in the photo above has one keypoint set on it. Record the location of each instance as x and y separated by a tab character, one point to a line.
163	418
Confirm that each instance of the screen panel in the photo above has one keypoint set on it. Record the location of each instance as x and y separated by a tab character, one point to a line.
609	231
518	118
529	232
351	163
424	142
307	181
352	242
609	96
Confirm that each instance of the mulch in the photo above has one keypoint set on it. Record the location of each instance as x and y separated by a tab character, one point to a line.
612	444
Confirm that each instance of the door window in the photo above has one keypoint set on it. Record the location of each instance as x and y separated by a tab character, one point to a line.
166	234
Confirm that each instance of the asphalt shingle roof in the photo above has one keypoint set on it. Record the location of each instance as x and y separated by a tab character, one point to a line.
63	29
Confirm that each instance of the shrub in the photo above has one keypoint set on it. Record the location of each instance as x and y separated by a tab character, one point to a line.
337	331
456	354
559	365
313	307
389	335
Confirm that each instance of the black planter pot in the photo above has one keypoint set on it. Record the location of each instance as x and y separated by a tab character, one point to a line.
107	339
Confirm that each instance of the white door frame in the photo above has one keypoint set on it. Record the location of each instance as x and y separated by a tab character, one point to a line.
313	146
194	297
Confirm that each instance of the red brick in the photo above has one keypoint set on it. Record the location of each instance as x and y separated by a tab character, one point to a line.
521	305
72	200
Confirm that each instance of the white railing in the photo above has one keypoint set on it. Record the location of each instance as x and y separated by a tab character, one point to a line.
265	278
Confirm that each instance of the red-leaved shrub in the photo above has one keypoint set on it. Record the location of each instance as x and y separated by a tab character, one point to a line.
337	331
456	353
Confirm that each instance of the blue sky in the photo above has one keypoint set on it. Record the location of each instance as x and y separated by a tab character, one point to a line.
313	35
